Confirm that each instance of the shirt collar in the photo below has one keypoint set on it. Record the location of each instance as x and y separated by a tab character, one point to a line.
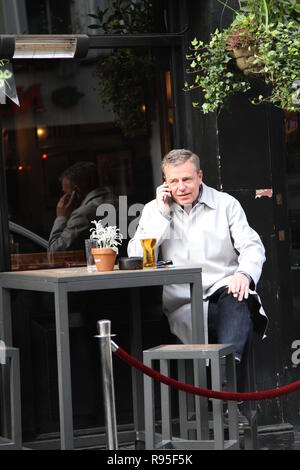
200	194
206	196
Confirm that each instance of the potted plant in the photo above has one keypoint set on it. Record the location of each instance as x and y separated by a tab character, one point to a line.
107	239
262	41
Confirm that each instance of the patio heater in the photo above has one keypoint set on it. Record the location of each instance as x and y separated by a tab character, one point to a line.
43	46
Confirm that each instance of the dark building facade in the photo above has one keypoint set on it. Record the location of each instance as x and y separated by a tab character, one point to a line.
250	152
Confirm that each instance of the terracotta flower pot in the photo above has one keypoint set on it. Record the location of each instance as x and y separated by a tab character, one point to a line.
104	258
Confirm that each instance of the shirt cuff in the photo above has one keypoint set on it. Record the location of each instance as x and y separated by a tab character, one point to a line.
251	282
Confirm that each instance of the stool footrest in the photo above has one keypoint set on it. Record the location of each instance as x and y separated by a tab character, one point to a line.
182	444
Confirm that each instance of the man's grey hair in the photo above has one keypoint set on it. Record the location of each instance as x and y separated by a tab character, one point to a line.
179	156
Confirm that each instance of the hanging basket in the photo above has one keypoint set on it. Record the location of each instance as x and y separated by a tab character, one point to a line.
244	59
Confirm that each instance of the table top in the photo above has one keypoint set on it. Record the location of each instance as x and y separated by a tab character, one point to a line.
75	276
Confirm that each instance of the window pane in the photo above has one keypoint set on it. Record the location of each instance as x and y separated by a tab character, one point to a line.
48	16
102	111
68	114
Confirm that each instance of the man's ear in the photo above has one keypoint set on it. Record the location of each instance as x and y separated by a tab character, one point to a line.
77	190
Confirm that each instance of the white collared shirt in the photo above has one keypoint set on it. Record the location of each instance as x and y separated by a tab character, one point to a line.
215	235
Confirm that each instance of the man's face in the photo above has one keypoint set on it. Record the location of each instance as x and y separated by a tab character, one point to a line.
66	186
184	182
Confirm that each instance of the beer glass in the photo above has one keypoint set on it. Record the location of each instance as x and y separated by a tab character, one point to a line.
148	244
90	262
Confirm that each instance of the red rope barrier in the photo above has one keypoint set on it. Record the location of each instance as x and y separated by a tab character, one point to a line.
204	392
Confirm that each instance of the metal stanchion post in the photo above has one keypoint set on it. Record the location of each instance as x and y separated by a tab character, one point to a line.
104	335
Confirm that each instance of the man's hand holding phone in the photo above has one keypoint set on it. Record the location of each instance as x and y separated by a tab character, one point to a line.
65	205
163	196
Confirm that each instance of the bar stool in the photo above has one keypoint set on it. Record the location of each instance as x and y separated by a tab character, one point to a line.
181	352
248	432
10	368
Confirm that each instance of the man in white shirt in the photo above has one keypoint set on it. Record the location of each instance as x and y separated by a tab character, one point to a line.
197	225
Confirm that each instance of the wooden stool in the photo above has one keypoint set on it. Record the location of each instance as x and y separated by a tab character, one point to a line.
181	352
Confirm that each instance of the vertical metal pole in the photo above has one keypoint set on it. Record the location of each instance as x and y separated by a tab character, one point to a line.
104	335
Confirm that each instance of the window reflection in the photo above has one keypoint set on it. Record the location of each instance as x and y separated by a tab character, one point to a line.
61	120
48	16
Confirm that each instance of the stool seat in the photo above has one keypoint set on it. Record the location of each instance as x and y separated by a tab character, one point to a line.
186	351
215	353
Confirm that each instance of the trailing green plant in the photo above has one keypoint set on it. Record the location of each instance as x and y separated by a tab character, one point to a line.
262	41
125	16
125	74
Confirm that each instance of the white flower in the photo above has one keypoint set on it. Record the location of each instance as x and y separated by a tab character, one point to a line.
106	237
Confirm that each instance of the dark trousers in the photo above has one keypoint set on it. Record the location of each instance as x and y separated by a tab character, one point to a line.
229	322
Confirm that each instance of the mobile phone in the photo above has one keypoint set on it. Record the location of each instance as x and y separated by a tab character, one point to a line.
164	263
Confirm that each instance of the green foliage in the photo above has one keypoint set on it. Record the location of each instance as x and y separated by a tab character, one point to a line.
215	74
279	50
265	35
126	16
125	74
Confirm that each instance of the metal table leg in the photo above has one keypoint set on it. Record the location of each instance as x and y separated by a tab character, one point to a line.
136	350
6	336
64	368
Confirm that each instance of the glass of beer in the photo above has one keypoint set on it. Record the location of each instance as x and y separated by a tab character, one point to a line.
148	244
